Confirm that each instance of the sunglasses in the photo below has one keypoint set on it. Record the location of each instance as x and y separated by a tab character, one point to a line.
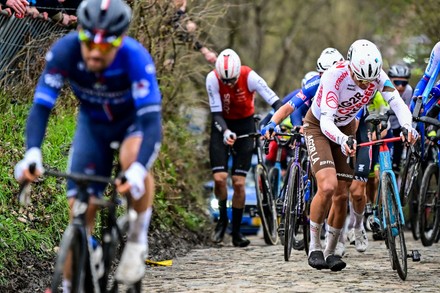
361	81
229	80
102	44
400	82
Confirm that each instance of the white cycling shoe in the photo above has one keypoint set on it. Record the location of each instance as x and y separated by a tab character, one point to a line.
361	239
340	249
351	236
131	268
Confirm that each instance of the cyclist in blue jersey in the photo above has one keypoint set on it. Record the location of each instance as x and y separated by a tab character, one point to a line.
114	78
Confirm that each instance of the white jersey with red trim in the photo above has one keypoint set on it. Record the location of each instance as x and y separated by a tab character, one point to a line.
339	99
238	102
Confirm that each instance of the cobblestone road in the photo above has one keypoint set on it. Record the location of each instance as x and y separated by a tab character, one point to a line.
261	268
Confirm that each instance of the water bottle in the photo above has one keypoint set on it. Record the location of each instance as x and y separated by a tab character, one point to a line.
96	256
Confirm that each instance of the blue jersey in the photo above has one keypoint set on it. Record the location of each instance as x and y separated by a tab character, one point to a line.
127	87
301	99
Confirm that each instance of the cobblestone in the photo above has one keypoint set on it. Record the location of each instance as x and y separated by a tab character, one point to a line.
261	268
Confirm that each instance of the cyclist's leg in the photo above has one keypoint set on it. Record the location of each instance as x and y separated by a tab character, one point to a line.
338	210
321	158
90	154
241	163
219	165
131	267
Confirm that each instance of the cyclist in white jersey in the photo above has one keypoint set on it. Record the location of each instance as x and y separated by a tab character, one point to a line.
344	89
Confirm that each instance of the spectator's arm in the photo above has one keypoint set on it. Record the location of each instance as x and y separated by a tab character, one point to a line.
19	6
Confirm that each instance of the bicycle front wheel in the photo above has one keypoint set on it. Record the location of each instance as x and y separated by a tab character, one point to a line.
429	212
71	244
394	226
306	213
291	224
266	206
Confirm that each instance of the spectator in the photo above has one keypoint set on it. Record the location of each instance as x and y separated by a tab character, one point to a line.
19	6
186	28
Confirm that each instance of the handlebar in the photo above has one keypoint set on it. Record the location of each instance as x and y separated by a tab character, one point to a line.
350	143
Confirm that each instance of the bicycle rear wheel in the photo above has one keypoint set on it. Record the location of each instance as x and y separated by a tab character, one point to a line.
291	223
394	226
266	206
73	243
429	211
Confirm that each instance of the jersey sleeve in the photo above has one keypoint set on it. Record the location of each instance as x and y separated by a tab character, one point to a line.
306	93
213	89
329	106
392	97
433	63
142	72
258	84
54	74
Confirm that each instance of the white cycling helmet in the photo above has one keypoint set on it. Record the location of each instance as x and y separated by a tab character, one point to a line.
308	76
329	56
365	60
228	64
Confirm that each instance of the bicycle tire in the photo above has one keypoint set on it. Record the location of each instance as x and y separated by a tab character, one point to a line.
274	181
71	241
291	220
394	227
266	206
306	214
407	181
429	212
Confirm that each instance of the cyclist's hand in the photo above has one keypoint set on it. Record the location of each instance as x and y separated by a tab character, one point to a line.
21	170
135	183
346	150
268	130
229	137
413	135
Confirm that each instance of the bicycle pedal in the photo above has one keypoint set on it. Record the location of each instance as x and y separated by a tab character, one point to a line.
415	255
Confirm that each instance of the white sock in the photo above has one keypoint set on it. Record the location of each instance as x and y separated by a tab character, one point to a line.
315	236
359	223
138	230
332	240
352	218
342	235
66	286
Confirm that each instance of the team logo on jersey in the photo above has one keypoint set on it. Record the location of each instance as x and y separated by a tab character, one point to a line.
140	89
332	100
54	80
340	80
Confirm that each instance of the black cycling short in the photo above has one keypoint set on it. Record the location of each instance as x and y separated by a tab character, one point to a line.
363	154
241	151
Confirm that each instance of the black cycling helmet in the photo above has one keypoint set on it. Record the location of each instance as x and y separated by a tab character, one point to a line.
106	17
399	70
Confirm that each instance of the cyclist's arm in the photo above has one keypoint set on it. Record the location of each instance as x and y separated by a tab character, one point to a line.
147	99
215	102
329	107
257	83
46	93
433	63
392	97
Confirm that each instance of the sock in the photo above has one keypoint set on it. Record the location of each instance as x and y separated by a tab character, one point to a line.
342	235
66	286
237	216
222	210
359	223
138	231
315	236
352	218
332	240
